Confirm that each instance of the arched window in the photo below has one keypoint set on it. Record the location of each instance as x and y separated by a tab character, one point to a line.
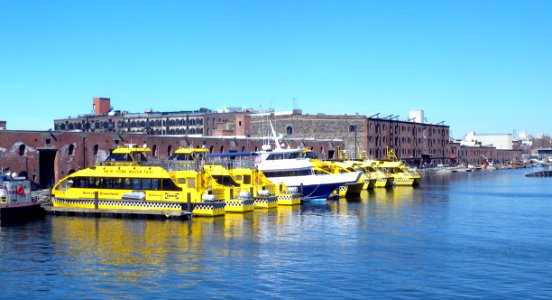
22	149
289	130
154	150
71	149
221	149
169	150
96	149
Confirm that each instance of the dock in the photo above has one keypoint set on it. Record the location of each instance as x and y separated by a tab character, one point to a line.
169	214
545	173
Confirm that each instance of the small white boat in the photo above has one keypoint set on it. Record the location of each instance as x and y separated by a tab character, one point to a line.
16	202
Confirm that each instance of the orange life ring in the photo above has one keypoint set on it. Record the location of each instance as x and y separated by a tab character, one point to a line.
20	190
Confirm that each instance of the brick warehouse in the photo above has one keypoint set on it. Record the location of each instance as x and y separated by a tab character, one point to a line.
47	156
360	134
417	143
414	140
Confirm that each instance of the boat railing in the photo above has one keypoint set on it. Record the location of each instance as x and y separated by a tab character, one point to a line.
121	163
232	163
175	165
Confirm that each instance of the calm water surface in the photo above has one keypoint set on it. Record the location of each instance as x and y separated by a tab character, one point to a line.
480	235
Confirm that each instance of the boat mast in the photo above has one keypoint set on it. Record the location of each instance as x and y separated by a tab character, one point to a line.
277	147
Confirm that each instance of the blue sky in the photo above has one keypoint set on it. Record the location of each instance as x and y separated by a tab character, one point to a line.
483	66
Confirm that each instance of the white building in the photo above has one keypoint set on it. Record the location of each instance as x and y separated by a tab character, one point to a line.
499	141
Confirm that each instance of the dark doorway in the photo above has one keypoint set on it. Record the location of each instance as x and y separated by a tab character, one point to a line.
46	167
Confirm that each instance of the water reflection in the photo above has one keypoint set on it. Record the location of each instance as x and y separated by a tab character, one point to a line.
468	229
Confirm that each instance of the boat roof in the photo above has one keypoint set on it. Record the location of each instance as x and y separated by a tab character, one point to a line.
129	150
191	150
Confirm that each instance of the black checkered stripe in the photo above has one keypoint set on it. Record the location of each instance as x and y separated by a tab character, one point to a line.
122	203
240	202
270	199
289	196
343	187
209	206
403	180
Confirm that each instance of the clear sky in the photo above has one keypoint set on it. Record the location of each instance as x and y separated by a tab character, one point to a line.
483	66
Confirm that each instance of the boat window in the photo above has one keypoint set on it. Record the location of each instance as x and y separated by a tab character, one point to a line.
119	157
291	155
136	183
225	180
150	184
181	156
168	185
286	173
120	183
247	179
311	155
181	180
191	183
320	172
138	157
63	186
239	177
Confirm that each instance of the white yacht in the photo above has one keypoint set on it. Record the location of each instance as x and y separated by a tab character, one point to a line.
291	167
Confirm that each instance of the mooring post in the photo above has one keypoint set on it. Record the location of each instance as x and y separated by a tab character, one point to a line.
189	204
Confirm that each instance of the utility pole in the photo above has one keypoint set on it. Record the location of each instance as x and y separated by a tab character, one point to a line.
355	130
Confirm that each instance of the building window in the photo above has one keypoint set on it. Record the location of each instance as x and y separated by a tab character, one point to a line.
71	149
96	149
289	130
21	149
352	128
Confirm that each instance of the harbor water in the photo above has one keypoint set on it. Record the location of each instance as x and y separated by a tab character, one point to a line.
471	235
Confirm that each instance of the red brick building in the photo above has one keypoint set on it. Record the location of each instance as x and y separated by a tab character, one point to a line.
48	156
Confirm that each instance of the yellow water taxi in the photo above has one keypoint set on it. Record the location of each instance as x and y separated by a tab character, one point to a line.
126	181
402	174
368	178
217	180
329	167
265	193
